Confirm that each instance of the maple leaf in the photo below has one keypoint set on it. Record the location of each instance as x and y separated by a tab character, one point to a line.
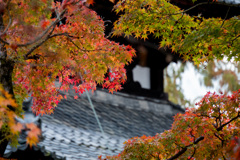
113	1
44	51
33	134
44	24
16	128
90	2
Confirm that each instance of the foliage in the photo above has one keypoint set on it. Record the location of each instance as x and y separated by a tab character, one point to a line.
44	40
205	132
7	122
193	37
9	126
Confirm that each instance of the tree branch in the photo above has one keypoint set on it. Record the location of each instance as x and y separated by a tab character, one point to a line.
84	50
234	39
26	56
203	3
221	127
53	24
194	151
199	4
225	17
9	23
185	148
42	34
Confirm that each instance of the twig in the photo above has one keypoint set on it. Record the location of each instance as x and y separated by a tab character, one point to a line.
199	4
185	148
69	38
225	17
39	44
41	35
203	3
194	151
221	127
9	23
234	39
3	41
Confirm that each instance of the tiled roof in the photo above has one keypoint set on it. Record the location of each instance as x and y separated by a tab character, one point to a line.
76	143
72	131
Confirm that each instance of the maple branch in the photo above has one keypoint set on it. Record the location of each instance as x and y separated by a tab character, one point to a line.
218	137
58	19
235	39
3	41
9	23
194	151
203	3
26	56
199	4
7	4
73	43
224	158
225	17
221	127
68	36
184	149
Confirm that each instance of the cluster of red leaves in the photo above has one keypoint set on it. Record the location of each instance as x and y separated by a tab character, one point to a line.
205	132
75	51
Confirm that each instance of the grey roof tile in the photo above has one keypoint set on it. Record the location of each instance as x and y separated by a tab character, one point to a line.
73	132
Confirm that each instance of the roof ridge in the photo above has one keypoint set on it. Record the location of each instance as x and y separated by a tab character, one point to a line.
157	106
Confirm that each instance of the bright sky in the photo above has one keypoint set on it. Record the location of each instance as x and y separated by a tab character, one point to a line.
191	81
191	84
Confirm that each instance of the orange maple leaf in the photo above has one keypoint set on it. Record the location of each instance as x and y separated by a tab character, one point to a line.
90	2
44	24
16	128
32	137
113	1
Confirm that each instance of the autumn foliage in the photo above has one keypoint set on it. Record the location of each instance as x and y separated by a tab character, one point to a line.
42	41
9	126
194	37
209	131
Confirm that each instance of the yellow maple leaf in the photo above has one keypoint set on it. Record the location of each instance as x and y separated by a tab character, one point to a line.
32	141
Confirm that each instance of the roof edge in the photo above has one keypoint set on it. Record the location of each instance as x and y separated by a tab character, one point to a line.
157	106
